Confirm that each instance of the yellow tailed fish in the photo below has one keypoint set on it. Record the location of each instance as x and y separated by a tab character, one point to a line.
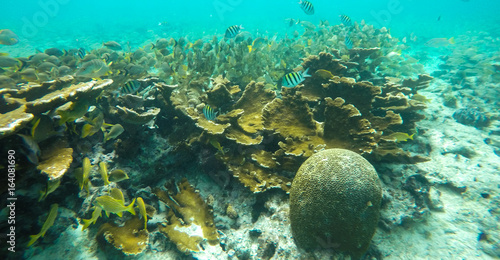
421	98
324	74
401	137
51	187
117	175
72	111
95	215
43	129
142	211
114	132
48	223
217	145
82	174
112	205
103	169
117	194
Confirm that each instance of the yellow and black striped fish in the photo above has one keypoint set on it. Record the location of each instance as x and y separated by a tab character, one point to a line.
293	79
348	42
346	20
232	31
131	87
81	53
307	7
209	113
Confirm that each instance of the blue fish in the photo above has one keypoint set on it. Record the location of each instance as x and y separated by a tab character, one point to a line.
209	113
232	31
293	79
348	42
307	7
346	20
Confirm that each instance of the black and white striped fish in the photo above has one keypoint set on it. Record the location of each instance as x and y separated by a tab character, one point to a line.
293	79
232	31
131	87
346	20
307	7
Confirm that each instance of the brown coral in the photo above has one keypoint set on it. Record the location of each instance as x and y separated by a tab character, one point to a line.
56	159
130	238
34	99
13	121
190	220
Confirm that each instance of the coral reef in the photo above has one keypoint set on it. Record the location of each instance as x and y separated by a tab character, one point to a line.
146	115
189	220
56	160
34	99
130	238
335	197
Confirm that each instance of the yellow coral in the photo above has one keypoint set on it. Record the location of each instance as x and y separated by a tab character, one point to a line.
56	160
192	221
129	238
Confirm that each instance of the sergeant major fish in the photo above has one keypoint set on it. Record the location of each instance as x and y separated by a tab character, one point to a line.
293	79
348	42
131	87
232	31
307	7
346	20
209	113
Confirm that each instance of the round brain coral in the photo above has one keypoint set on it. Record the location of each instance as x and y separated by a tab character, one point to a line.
335	202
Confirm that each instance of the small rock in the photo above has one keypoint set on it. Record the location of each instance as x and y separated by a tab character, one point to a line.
472	117
231	212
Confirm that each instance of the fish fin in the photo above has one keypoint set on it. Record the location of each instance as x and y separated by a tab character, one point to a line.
42	196
304	74
107	213
452	40
33	129
33	239
130	207
86	129
86	223
22	65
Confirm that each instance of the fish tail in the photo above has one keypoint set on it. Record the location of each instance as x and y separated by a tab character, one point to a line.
42	195
130	207
34	238
304	74
86	223
411	136
452	40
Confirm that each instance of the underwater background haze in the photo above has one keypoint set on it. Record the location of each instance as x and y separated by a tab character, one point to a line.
71	23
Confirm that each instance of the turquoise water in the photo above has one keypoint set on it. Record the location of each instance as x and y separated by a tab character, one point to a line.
68	24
